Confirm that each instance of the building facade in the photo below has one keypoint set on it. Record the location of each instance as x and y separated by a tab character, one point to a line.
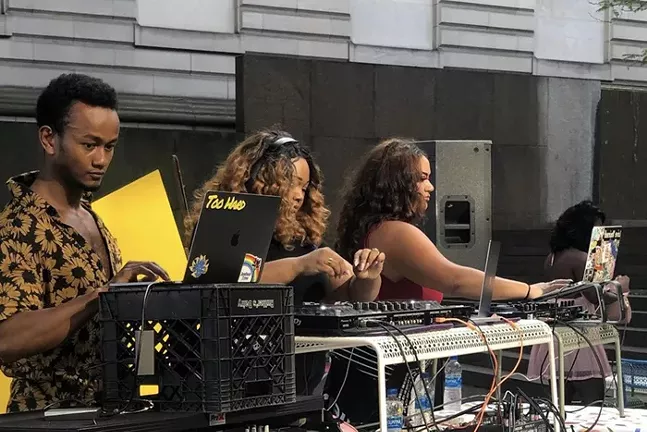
174	64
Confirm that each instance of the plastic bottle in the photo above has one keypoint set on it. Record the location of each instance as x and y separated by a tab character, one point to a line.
420	413
453	385
394	410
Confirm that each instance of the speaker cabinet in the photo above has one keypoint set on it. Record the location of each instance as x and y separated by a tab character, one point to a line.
459	217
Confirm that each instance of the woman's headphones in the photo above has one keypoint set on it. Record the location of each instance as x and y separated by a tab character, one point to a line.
262	157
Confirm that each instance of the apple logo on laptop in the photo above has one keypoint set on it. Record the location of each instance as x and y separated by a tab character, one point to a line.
235	238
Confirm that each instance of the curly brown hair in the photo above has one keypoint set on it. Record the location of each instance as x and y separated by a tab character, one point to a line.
262	164
384	187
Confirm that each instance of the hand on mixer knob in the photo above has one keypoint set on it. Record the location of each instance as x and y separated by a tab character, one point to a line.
368	263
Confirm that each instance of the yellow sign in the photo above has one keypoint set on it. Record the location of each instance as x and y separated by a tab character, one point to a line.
5	392
231	203
140	217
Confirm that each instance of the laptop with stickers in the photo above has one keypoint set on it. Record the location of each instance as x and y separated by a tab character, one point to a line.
603	254
231	238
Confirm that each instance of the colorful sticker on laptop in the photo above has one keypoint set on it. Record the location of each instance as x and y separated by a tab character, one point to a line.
199	266
251	269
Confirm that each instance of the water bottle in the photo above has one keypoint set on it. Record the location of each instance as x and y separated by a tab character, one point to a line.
394	409
453	385
420	412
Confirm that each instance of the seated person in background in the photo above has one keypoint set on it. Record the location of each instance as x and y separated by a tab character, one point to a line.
384	202
569	245
55	253
273	163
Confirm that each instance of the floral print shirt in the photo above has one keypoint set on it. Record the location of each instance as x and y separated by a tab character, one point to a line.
43	264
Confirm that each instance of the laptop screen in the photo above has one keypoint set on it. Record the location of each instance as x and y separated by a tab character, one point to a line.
603	254
491	264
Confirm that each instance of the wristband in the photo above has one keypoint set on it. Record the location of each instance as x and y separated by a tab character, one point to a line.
528	293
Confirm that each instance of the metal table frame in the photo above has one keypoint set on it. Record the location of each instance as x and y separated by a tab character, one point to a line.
599	334
439	344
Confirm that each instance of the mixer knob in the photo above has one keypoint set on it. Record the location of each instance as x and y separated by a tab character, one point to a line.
389	306
383	306
395	306
357	305
364	306
373	306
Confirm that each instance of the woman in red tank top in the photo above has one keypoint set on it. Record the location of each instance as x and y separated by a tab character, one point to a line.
384	202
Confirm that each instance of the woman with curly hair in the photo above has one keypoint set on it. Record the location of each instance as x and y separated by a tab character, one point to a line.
271	162
569	245
385	201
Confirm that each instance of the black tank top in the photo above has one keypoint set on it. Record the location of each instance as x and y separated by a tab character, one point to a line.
309	367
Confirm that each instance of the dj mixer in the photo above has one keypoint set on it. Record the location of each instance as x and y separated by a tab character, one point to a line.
562	310
351	318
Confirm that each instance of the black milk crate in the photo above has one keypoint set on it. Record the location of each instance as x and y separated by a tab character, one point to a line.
217	348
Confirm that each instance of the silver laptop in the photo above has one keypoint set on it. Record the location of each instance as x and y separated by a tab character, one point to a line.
491	265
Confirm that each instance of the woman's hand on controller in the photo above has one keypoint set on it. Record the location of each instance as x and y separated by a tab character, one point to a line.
541	288
368	263
325	260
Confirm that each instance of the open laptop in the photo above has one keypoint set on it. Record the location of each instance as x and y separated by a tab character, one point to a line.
603	254
491	265
230	240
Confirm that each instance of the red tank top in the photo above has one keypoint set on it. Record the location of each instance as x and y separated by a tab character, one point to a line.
404	289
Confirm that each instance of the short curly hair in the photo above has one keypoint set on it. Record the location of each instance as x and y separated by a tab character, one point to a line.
262	164
573	228
384	187
54	103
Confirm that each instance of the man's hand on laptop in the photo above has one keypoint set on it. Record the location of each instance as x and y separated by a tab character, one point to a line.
539	289
143	271
325	260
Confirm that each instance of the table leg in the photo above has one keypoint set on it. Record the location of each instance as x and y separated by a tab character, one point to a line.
620	384
381	388
499	358
553	383
560	356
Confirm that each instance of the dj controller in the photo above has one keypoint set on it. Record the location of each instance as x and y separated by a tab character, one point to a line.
362	318
349	318
562	310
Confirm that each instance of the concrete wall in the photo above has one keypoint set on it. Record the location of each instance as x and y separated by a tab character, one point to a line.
566	118
542	128
176	63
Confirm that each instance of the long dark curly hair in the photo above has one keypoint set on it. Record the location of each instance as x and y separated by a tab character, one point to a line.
262	164
383	188
573	228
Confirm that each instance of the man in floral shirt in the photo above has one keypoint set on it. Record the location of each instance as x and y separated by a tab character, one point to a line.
55	253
